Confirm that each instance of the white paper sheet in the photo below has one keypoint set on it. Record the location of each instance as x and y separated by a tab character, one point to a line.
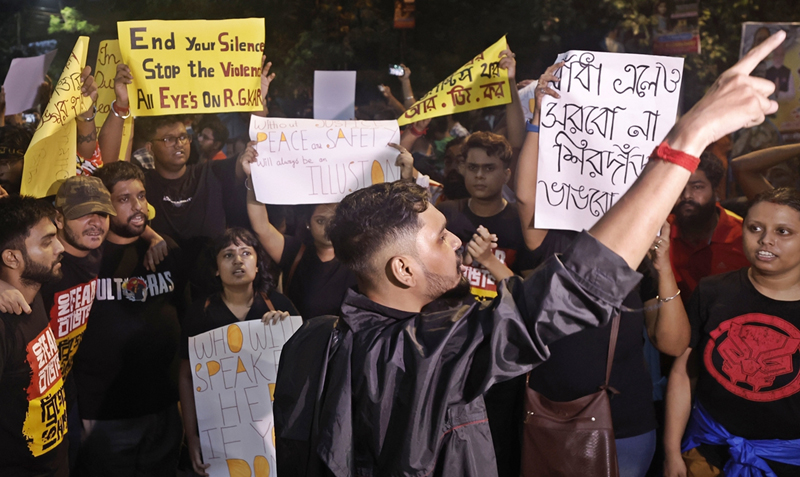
334	95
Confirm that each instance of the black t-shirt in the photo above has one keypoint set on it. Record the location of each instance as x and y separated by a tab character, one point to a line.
577	364
127	364
511	248
317	288
33	410
189	206
212	313
69	302
747	345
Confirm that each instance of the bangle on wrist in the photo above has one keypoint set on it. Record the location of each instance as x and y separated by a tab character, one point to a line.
669	298
410	97
413	130
680	158
534	128
248	187
122	113
93	115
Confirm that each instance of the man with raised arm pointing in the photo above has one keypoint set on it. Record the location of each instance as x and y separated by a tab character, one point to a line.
394	385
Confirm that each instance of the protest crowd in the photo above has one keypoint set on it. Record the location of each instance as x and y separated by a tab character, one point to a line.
439	326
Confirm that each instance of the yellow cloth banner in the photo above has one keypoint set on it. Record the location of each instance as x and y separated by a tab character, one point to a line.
108	57
51	157
478	84
193	66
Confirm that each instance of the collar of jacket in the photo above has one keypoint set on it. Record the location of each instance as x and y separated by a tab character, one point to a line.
359	312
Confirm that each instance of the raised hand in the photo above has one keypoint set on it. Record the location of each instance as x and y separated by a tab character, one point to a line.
508	62
121	81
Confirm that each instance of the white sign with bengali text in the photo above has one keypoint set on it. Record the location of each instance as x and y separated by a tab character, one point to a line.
594	141
313	161
234	369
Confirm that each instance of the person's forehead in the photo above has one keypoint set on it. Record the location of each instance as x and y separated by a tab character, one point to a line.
208	132
237	246
433	221
698	176
479	156
769	212
176	127
127	187
324	210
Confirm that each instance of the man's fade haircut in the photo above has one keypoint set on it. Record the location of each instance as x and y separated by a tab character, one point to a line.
119	171
712	167
151	124
494	145
788	196
370	218
212	122
18	215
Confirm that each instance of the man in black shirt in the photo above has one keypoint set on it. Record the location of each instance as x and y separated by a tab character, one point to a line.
126	367
33	421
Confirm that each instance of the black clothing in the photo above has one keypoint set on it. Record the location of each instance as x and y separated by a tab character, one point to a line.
33	411
317	288
577	364
127	364
403	392
747	345
212	313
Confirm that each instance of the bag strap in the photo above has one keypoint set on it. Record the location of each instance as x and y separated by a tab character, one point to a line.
267	301
294	266
612	345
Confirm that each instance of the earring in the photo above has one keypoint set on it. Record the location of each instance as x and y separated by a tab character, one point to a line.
308	227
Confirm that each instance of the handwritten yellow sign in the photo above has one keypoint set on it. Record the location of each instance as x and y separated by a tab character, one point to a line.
50	159
108	57
193	66
478	84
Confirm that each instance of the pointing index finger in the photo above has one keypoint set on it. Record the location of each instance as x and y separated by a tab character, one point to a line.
749	62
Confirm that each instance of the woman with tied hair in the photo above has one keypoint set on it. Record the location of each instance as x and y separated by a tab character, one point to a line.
247	292
744	356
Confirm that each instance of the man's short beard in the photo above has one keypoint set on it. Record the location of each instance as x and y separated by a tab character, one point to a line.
74	239
438	284
36	273
127	230
699	219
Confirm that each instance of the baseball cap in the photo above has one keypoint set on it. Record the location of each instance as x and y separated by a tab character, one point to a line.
83	195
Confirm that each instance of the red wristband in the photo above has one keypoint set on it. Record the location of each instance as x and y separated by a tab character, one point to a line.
666	153
417	132
120	111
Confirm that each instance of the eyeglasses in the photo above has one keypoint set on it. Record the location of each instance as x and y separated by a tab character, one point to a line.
5	164
170	141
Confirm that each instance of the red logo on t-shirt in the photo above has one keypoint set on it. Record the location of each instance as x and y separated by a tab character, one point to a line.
756	353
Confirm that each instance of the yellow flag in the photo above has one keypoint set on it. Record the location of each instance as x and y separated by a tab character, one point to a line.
478	84
193	66
51	157
108	57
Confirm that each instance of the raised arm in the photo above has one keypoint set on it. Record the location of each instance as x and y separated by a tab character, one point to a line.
272	240
110	138
87	131
750	169
515	117
528	165
736	100
405	82
393	102
266	80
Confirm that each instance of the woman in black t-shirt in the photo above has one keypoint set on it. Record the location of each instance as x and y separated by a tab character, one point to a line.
745	353
247	293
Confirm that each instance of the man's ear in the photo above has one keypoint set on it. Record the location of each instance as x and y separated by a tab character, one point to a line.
400	271
60	220
508	174
12	258
149	146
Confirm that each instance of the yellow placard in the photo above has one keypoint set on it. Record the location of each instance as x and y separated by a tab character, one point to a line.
478	84
193	66
50	158
108	57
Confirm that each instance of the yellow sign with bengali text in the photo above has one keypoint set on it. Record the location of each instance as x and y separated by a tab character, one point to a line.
108	57
51	156
478	84
193	66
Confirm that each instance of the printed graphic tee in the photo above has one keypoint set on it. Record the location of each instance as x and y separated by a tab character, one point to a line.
33	417
749	349
127	364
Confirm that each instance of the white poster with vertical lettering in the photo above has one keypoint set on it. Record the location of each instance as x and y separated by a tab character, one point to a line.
234	369
594	141
312	161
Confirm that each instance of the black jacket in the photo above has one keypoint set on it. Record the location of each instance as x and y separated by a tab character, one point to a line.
403	392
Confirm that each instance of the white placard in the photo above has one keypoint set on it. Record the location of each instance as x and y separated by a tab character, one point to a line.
234	369
596	139
334	95
310	161
22	82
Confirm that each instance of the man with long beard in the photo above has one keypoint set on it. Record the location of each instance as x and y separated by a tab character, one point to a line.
705	239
